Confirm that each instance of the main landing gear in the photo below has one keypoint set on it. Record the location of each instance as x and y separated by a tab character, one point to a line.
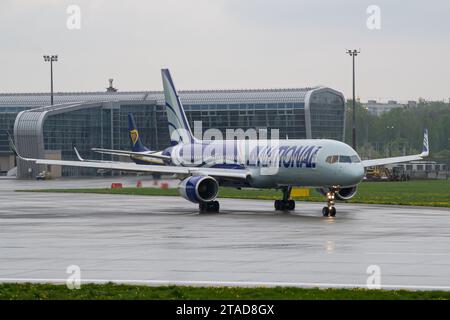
286	204
211	206
330	210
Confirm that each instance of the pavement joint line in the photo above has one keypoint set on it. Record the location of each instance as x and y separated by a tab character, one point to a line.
226	283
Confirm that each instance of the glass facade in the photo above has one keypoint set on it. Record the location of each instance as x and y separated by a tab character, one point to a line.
7	117
102	127
288	118
327	115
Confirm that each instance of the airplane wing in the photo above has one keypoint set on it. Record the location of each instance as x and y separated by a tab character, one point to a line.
125	166
383	161
151	154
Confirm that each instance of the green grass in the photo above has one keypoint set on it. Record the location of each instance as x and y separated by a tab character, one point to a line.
415	193
29	291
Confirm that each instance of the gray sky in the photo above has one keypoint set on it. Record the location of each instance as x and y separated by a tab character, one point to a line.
221	44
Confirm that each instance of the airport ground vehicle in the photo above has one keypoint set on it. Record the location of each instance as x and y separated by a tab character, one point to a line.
44	175
379	173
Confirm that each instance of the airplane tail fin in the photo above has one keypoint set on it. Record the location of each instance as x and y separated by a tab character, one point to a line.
179	128
136	144
425	148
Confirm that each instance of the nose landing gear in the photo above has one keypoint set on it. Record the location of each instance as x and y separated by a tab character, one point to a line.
286	204
330	210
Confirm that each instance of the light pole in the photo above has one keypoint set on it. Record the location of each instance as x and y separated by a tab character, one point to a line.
51	59
390	130
353	53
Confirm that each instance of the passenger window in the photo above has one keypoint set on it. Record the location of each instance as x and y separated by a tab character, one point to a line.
345	159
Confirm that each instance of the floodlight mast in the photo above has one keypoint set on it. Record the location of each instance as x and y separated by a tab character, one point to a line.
353	53
51	59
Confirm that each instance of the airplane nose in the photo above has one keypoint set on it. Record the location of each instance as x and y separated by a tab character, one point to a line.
358	173
355	175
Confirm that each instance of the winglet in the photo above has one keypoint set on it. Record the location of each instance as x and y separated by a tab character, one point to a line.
426	148
77	153
12	146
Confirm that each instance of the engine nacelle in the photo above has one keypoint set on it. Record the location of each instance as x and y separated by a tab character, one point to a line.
346	193
343	194
199	189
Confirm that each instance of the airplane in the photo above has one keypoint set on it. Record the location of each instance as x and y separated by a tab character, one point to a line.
332	167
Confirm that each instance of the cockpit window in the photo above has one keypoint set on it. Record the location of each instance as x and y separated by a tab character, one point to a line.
345	159
355	159
332	159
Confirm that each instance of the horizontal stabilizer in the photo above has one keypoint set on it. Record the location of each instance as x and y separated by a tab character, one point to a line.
150	154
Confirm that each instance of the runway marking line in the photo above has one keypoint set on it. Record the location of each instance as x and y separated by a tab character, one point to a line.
409	253
225	283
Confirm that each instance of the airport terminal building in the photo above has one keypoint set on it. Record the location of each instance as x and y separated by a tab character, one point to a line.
99	119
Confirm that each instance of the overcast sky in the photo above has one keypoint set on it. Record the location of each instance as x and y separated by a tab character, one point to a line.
223	44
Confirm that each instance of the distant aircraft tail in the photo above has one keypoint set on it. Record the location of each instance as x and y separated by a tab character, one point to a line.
136	144
179	129
425	148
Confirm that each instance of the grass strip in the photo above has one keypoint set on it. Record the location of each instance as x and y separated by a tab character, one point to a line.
28	291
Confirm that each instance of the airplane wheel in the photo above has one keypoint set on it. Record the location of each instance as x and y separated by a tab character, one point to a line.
277	205
333	212
281	205
212	206
215	206
291	205
325	211
202	207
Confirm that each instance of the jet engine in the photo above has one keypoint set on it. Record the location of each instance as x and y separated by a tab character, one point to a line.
343	194
199	189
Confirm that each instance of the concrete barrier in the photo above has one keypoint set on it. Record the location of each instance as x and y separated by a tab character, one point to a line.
164	185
